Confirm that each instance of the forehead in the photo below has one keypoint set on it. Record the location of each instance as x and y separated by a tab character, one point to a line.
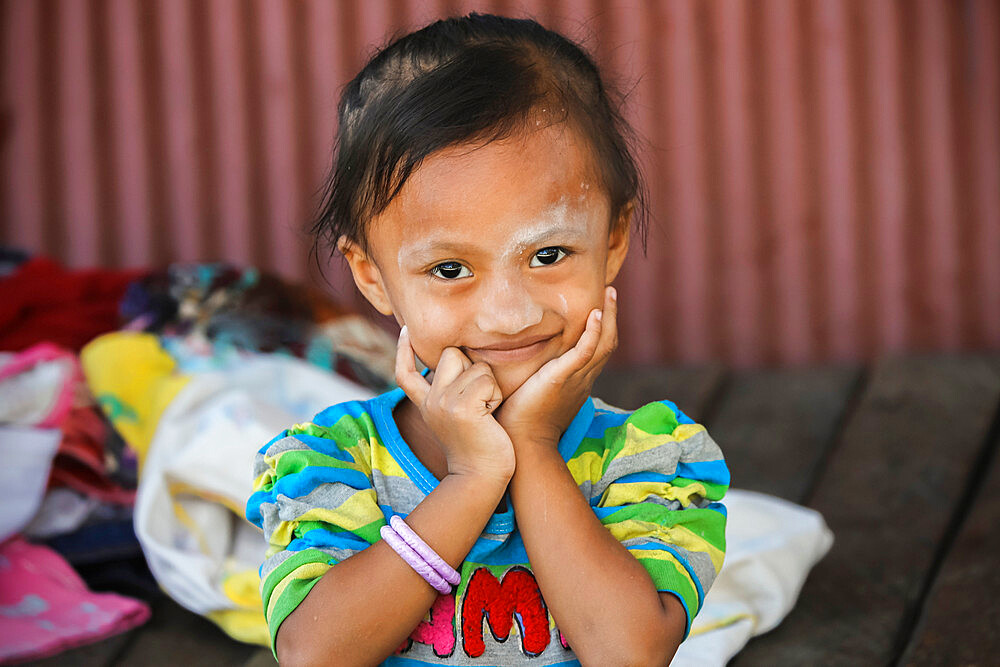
491	192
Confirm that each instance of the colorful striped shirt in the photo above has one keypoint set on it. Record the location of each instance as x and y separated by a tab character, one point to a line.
323	489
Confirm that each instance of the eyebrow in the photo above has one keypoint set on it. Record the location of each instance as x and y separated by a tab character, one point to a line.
444	246
561	232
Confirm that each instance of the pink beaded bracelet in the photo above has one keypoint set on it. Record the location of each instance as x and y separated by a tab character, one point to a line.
413	559
430	556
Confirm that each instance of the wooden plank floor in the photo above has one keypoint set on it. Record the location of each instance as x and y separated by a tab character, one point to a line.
890	490
900	458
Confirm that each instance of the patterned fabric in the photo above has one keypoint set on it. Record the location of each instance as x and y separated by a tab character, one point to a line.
211	315
323	490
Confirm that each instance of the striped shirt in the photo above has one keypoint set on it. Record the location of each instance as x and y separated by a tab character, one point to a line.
323	489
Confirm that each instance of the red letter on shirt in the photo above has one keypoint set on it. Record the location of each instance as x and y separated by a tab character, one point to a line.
499	602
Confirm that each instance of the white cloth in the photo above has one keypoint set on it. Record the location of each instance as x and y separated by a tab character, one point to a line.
38	392
193	488
27	455
64	510
771	544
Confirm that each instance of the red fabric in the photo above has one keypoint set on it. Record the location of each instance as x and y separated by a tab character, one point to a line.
42	301
499	602
79	463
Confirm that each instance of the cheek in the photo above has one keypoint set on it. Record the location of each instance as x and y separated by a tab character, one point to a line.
562	304
574	306
432	328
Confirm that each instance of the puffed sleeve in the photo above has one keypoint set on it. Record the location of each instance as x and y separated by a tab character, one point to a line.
314	500
657	480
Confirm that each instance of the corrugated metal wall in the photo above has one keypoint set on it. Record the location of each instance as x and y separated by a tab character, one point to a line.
825	175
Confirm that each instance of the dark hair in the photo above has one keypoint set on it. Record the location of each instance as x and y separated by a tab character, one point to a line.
476	78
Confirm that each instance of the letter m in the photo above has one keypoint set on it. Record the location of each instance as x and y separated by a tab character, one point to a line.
517	597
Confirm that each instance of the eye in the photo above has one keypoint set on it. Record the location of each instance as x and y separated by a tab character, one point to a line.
451	271
549	255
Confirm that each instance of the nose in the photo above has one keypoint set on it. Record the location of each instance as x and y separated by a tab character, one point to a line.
507	307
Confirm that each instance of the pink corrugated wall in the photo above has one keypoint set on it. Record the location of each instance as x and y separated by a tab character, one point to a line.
825	175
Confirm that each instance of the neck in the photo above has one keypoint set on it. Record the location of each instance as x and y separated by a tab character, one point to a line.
420	438
422	442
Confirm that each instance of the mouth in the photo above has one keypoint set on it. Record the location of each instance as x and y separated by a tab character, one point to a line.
509	351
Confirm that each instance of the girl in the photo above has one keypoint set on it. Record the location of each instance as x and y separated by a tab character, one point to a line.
482	195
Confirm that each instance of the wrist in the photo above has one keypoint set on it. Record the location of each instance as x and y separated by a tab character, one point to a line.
546	440
488	475
537	459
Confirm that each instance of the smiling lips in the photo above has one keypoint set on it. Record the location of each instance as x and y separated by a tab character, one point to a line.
509	351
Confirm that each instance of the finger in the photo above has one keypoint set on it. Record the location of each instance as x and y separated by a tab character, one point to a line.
484	390
493	397
414	385
470	379
608	340
470	375
609	325
496	398
577	357
451	365
581	353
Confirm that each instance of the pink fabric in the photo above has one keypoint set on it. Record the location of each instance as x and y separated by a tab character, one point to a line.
439	631
46	608
62	400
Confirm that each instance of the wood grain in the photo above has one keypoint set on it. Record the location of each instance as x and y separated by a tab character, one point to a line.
888	493
775	426
962	614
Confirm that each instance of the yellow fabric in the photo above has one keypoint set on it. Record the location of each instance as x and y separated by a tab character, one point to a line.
685	431
722	623
246	623
384	461
624	493
587	466
356	512
307	571
134	380
243	588
679	535
242	625
638	441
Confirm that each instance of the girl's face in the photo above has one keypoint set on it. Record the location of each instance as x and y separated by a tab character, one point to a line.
501	251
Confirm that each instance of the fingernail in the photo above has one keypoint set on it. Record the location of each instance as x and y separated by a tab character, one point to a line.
403	331
599	315
614	294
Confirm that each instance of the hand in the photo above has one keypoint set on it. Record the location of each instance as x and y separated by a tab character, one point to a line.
543	407
457	406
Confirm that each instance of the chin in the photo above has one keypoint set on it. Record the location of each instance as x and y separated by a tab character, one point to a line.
510	380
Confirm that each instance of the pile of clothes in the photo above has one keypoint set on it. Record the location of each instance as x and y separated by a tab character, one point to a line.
131	403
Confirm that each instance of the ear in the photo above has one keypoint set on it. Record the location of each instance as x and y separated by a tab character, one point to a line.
618	240
367	275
